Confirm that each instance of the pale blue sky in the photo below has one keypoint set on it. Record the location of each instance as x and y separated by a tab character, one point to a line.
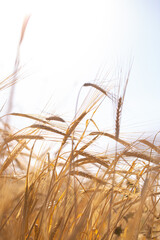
67	42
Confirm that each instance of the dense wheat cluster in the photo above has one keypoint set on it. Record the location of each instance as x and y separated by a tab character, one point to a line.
56	183
78	192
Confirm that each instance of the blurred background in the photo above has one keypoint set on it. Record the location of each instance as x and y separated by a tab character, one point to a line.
68	43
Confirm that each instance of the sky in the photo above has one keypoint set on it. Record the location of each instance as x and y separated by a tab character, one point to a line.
68	43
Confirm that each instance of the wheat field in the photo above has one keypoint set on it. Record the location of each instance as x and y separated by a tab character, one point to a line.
56	183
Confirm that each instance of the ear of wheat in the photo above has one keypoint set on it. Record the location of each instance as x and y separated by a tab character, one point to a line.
118	115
